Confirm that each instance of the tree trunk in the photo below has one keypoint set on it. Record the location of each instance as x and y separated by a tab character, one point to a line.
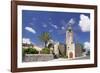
45	44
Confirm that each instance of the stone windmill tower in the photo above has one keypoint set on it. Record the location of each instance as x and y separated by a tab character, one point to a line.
70	45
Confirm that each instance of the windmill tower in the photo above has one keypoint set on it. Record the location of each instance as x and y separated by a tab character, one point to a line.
70	46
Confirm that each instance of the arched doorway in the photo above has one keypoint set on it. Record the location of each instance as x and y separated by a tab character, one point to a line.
70	55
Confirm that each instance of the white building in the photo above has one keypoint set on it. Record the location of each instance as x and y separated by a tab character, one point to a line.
70	46
38	48
56	50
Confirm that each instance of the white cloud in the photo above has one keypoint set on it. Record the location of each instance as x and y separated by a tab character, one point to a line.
87	45
71	21
31	23
30	30
84	23
44	25
55	26
62	27
26	40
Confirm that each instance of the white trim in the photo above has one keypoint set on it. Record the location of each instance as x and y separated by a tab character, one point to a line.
57	63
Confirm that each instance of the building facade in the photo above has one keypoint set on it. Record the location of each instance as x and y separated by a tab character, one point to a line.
78	50
70	45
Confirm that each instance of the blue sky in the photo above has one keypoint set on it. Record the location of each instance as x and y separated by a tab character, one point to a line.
56	23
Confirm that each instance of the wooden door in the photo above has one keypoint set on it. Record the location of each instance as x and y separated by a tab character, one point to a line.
70	55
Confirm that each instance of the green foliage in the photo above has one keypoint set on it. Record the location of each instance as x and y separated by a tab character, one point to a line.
63	56
23	52
69	30
82	46
30	51
45	37
45	51
88	53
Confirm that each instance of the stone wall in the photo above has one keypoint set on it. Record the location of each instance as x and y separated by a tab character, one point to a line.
78	50
37	57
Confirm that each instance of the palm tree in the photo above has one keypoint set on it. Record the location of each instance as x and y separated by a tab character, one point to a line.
45	37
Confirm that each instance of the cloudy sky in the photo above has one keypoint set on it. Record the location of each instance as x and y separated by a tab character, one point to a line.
56	23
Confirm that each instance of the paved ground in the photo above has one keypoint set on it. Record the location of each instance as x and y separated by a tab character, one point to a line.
64	59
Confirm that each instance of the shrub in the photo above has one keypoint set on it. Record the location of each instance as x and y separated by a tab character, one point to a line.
30	51
23	52
45	51
63	56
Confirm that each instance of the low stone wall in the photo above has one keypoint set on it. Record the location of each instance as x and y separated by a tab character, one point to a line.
37	57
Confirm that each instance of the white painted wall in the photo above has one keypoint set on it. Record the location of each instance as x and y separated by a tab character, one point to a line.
5	37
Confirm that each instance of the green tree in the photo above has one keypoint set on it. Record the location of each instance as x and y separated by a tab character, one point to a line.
45	37
30	51
45	51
